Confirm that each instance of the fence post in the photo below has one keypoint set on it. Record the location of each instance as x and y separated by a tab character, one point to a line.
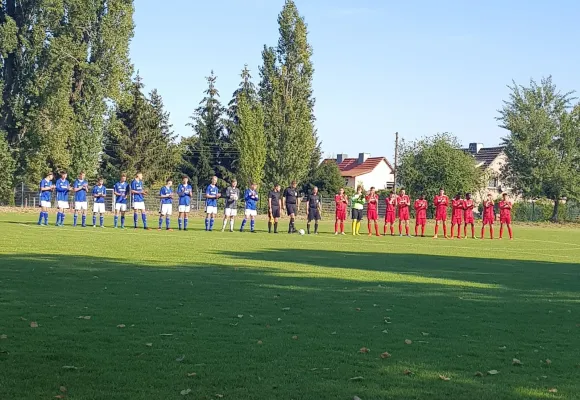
21	194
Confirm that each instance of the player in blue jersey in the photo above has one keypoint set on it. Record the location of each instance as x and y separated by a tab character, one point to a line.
185	192
81	187
120	191
251	198
212	194
62	190
99	194
45	187
166	206
139	193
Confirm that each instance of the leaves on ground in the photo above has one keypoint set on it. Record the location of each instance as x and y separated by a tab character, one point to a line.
553	390
363	350
166	334
425	333
69	367
357	378
149	344
180	358
548	361
84	317
240	315
407	372
185	392
493	372
121	326
34	324
408	341
356	398
3	336
479	374
192	374
358	309
295	337
286	309
260	342
444	378
515	361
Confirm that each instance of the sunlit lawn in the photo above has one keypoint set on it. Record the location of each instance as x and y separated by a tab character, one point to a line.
241	316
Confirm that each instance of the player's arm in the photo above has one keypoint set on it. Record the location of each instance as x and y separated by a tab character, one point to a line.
134	191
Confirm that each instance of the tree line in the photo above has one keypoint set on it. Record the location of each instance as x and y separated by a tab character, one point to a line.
69	102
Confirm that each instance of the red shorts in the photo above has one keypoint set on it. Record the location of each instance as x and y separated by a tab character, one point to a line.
487	220
469	219
421	221
390	218
505	219
441	215
372	214
404	214
456	221
341	215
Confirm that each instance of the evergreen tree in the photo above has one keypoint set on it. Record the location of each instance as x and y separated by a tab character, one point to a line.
210	153
135	139
61	64
543	144
286	95
326	176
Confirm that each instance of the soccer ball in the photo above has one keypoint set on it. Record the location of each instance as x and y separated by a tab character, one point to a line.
234	197
301	232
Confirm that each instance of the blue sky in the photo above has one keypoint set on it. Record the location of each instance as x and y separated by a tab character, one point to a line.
416	67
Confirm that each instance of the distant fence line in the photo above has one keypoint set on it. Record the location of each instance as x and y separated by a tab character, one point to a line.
524	211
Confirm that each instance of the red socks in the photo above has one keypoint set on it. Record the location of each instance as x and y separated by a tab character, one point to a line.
377	228
444	229
436	230
400	228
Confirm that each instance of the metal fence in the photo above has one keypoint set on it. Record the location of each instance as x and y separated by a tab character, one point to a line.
524	211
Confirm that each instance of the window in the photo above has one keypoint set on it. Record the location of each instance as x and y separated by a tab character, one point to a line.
493	182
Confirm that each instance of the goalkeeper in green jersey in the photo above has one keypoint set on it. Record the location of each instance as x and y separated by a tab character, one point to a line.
358	204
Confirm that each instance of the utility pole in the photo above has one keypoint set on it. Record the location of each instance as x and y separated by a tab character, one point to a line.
396	161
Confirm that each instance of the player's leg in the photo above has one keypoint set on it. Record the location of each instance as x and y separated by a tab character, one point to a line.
102	217
483	230
180	218
436	229
253	221
501	230
75	214
144	217
207	215
58	214
168	217
226	219
407	226
473	230
95	212
233	216
316	222
376	221
369	229
275	224
116	217
353	217
186	217
336	225
510	232
123	212
444	222
423	229
491	230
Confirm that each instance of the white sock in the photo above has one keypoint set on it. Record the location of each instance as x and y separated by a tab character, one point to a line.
231	224
225	222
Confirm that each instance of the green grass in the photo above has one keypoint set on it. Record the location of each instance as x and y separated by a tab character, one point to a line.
232	303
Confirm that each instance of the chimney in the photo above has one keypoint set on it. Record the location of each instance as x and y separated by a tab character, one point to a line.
362	157
340	158
474	148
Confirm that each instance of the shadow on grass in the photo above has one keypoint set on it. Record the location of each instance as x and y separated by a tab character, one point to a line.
270	333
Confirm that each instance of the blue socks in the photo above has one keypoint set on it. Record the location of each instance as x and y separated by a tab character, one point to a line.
144	219
59	218
185	221
243	224
46	218
160	221
207	224
102	220
252	223
167	222
179	223
94	219
40	218
116	220
75	220
84	219
211	224
122	221
135	219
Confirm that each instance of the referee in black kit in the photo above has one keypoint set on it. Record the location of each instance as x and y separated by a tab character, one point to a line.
291	201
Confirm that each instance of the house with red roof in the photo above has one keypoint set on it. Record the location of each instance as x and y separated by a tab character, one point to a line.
365	170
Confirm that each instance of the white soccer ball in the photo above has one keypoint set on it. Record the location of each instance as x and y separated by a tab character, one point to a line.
234	196
301	232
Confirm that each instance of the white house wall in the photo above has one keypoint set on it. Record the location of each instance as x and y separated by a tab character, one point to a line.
379	177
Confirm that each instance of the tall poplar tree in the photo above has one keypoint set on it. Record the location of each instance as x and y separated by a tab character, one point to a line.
247	130
286	95
62	63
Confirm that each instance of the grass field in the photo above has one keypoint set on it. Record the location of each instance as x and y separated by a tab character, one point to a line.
174	315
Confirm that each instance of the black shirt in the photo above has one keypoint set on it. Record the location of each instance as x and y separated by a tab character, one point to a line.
291	195
313	201
275	196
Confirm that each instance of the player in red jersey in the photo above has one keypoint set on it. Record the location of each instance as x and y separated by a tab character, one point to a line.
341	201
441	201
420	215
403	203
505	215
456	214
468	206
391	203
488	216
373	211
